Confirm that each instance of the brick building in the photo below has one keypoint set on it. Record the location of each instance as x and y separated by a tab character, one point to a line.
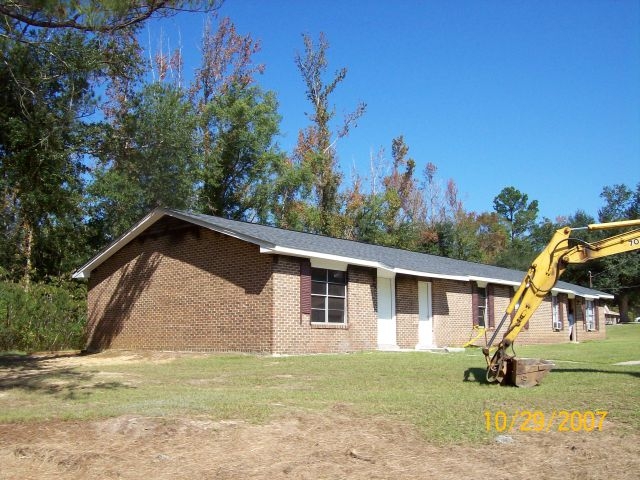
186	282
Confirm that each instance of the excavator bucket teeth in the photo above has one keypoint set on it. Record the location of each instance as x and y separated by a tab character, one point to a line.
526	372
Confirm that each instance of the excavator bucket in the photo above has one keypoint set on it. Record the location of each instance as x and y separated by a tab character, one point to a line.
526	372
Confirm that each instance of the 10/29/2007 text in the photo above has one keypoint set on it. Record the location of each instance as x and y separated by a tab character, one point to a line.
537	421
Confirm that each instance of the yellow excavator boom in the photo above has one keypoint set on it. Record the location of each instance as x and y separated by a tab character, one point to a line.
540	278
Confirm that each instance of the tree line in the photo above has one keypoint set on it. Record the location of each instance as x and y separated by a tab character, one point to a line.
96	132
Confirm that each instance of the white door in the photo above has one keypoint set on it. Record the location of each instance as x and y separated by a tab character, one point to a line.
386	317
425	316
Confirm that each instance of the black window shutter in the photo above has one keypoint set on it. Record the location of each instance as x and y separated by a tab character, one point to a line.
490	306
305	287
474	303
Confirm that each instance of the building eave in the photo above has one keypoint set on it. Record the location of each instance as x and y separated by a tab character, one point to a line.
274	247
158	213
151	218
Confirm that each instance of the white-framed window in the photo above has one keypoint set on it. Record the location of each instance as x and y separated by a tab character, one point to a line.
328	296
590	316
482	307
556	323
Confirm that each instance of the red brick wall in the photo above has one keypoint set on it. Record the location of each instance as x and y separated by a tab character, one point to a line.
407	314
540	329
581	328
293	333
453	316
182	289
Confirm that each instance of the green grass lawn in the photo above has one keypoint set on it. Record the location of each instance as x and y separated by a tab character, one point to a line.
444	395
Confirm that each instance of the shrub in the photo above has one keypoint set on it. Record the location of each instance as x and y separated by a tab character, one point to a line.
48	317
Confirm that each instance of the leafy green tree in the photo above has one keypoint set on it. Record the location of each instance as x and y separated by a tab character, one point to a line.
365	212
95	16
43	104
619	274
616	274
239	170
542	232
519	217
621	203
476	237
391	213
208	148
515	209
518	255
237	123
147	159
292	186
53	55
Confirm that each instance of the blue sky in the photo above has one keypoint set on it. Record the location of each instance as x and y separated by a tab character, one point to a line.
543	95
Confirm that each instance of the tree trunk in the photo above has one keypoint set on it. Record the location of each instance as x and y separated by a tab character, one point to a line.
27	248
623	304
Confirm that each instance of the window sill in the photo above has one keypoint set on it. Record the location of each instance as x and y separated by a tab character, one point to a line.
330	326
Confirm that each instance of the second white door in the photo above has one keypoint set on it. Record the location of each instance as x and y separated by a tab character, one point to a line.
425	316
386	318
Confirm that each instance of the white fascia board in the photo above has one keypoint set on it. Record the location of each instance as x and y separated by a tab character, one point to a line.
495	281
325	260
402	271
133	232
294	252
606	296
562	290
573	294
383	270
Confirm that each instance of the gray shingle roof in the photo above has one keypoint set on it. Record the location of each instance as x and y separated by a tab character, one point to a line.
429	265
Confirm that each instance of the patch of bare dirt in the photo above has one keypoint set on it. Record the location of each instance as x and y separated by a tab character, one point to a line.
109	357
304	446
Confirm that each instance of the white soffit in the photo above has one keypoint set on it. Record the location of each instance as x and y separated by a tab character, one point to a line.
329	264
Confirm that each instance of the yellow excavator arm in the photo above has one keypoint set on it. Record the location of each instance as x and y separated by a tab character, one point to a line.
542	276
